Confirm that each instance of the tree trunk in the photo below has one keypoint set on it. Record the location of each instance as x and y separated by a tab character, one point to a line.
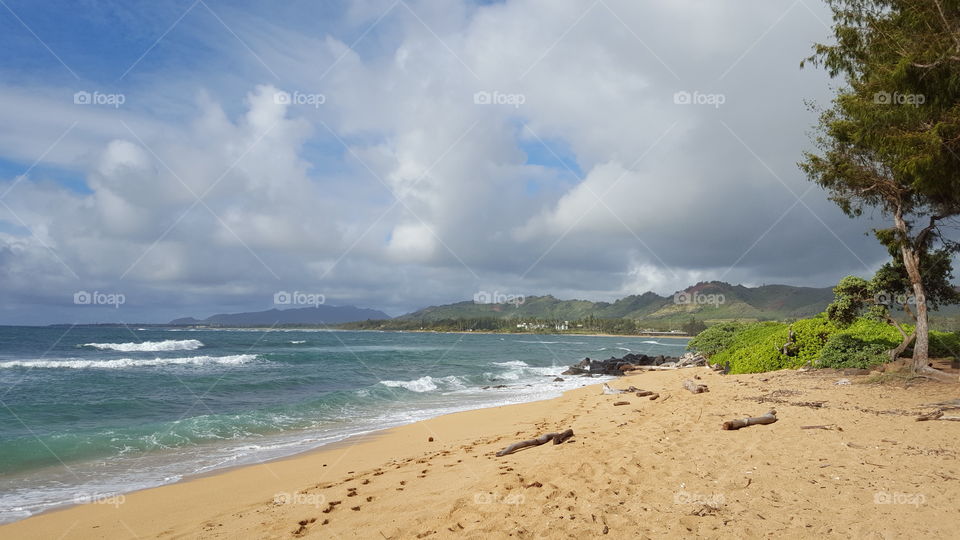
921	346
911	262
896	352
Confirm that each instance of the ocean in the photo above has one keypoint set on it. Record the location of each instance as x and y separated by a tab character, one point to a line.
88	413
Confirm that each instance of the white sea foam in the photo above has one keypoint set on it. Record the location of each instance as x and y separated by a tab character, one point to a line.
512	363
427	384
299	341
149	346
121	363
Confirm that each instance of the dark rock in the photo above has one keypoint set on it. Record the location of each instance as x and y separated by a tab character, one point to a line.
558	379
615	366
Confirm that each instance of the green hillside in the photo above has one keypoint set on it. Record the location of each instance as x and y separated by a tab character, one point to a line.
709	301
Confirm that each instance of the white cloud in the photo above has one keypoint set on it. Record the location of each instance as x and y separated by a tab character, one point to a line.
484	196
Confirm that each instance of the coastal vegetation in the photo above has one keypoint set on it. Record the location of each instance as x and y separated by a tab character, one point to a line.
890	141
817	342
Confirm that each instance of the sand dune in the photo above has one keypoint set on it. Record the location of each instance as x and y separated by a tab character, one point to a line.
654	469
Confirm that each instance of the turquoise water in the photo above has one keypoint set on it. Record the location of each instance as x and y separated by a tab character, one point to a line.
90	412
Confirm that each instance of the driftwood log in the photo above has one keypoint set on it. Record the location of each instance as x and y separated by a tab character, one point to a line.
768	418
695	387
557	438
937	415
607	390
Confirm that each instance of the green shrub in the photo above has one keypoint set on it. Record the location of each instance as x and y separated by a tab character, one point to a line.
810	335
757	347
715	338
847	351
944	344
877	332
754	349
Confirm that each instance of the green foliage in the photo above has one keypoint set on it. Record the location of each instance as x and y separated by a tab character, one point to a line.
877	332
845	350
755	348
852	294
759	347
944	344
715	338
810	337
864	344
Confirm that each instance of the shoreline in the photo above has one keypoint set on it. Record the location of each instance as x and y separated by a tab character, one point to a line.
630	467
347	441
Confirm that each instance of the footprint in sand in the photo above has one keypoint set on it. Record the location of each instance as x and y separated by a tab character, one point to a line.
303	526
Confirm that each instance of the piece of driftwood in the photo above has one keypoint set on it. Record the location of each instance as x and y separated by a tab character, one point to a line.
557	438
645	393
827	427
654	396
952	404
617	404
608	390
695	387
932	416
652	368
938	415
768	418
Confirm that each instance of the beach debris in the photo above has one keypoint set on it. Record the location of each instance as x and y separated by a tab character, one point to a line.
828	427
608	390
843	382
937	415
952	404
654	396
617	404
695	387
645	393
534	484
557	438
768	418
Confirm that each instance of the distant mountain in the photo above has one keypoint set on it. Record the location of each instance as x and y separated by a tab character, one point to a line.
321	314
710	301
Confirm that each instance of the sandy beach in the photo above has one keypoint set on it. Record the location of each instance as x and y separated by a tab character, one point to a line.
647	469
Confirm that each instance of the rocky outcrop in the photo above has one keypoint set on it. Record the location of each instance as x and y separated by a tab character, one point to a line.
618	366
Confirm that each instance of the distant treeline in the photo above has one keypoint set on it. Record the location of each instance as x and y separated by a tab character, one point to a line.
545	326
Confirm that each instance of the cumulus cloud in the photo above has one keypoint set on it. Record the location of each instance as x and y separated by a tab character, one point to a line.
427	150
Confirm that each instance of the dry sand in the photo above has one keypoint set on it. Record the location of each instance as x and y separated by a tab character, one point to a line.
654	469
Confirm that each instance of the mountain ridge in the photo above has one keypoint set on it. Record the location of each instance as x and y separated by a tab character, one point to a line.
708	300
320	314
